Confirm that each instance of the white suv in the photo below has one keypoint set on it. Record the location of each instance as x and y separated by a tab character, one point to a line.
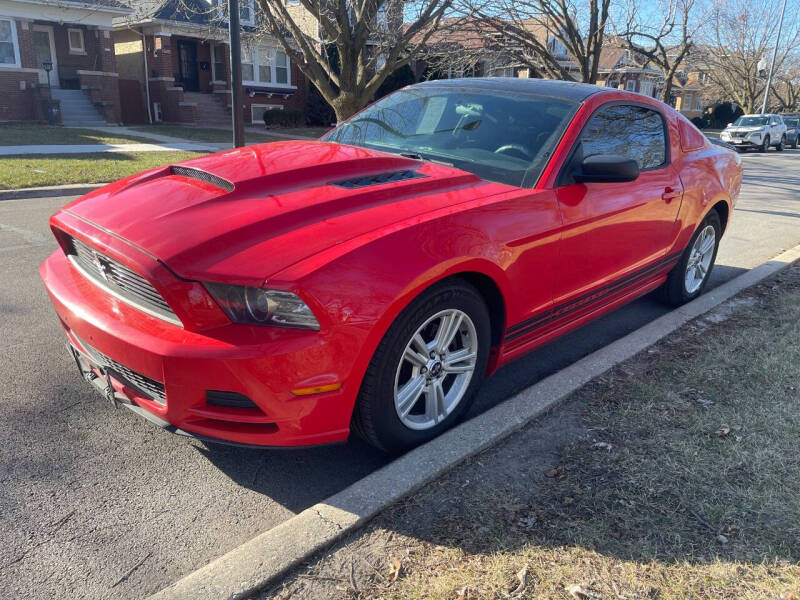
756	131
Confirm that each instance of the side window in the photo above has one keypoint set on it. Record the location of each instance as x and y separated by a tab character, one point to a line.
630	131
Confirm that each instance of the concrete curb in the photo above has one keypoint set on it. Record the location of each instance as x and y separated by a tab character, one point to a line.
76	189
261	561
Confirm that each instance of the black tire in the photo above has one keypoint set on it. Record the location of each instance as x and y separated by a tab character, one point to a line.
764	145
674	290
794	144
781	145
375	418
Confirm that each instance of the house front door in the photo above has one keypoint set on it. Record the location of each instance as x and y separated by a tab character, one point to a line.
187	65
45	52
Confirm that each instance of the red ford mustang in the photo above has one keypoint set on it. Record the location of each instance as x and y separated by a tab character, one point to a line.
284	294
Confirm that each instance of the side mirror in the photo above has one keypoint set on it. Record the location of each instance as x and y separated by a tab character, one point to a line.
606	168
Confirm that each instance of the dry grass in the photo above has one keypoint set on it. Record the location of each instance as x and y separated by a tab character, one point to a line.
18	134
697	497
61	169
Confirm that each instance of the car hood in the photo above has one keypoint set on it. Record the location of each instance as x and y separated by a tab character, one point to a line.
245	214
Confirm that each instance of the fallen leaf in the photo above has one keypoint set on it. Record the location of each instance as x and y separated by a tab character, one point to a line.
568	499
581	593
522	575
551	472
722	539
723	430
461	593
395	566
602	446
528	522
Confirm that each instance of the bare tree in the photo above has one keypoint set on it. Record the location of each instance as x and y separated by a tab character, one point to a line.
785	89
739	36
558	39
347	48
664	41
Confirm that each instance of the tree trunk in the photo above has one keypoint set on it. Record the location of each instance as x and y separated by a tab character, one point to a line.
346	104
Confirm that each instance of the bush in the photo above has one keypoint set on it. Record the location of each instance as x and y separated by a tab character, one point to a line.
289	117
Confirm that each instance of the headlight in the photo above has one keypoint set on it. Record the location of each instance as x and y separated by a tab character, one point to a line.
256	306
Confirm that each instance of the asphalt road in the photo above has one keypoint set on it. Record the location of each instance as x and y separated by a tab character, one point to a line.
97	503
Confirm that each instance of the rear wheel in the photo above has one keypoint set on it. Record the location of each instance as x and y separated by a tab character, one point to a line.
426	370
781	145
689	277
794	143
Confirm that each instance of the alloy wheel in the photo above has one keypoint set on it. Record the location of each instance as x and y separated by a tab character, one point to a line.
699	262
435	369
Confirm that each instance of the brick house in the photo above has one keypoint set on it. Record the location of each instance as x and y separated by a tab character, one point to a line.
75	38
173	60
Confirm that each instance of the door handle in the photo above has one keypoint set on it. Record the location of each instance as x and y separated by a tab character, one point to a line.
669	194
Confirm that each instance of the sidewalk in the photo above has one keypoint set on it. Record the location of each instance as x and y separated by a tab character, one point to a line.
672	476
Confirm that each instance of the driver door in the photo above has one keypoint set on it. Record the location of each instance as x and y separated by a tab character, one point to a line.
613	232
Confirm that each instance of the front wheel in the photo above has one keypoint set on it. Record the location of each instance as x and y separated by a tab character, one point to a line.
781	145
689	277
764	145
426	370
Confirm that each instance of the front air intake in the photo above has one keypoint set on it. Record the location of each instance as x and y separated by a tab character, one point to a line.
193	173
379	179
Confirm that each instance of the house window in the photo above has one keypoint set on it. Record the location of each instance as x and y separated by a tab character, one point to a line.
281	68
503	72
646	87
247	12
698	103
630	85
265	66
75	37
218	64
9	47
248	65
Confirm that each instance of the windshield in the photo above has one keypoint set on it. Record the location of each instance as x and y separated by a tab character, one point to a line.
751	121
792	122
495	136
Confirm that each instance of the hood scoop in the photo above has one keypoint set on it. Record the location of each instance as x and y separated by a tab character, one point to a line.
378	179
194	173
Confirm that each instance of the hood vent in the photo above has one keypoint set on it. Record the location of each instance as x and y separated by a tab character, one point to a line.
193	173
379	179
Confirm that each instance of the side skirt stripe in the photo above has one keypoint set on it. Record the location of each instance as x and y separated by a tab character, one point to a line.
587	300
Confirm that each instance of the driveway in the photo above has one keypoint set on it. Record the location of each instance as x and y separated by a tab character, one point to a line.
97	503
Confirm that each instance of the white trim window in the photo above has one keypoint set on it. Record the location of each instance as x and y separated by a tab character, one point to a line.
9	46
247	11
630	85
266	66
75	40
646	87
218	58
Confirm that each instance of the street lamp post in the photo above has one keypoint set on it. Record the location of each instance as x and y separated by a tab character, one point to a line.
774	56
47	65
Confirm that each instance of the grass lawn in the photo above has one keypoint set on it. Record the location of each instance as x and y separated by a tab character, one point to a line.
207	134
60	169
312	132
30	134
673	476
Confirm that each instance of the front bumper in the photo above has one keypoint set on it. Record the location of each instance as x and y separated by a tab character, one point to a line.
263	364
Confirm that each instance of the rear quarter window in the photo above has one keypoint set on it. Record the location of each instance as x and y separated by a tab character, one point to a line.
691	137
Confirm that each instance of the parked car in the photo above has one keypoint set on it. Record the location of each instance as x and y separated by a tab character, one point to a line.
792	121
284	294
756	131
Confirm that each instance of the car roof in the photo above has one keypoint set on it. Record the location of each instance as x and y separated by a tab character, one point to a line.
570	90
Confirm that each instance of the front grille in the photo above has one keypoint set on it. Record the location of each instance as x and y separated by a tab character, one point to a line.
120	280
151	388
379	179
